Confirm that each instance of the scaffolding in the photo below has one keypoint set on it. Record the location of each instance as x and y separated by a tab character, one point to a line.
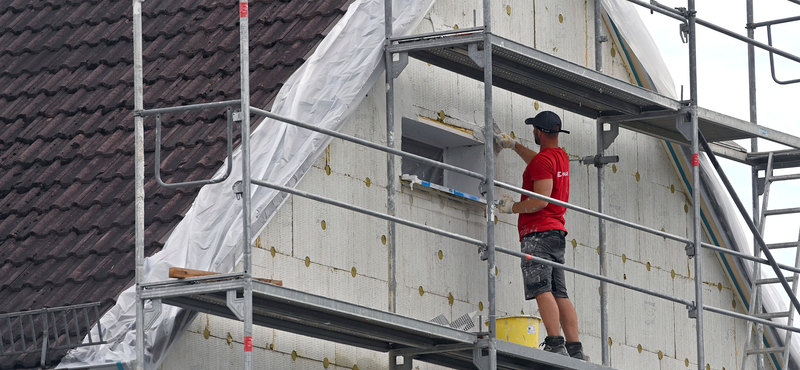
479	54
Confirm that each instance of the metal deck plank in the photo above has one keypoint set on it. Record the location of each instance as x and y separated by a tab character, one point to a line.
342	322
781	159
552	80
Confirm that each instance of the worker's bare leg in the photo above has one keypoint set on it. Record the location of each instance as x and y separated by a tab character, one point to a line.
549	309
567	317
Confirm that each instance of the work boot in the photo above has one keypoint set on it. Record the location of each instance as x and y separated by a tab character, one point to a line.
555	344
575	350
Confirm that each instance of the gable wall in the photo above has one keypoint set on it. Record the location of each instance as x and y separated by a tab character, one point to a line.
347	259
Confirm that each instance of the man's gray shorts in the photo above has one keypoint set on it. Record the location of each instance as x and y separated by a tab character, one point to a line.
539	278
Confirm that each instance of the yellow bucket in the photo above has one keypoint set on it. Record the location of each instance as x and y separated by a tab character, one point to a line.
522	330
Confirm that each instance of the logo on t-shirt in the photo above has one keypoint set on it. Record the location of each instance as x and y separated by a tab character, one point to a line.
562	174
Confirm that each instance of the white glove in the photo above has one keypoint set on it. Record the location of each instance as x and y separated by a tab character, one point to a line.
504	140
506	204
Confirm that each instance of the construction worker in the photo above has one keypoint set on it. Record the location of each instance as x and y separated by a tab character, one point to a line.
542	231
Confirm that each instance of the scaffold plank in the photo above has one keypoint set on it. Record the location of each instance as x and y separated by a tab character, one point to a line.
552	80
342	322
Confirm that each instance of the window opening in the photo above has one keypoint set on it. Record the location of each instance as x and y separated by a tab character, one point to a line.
448	144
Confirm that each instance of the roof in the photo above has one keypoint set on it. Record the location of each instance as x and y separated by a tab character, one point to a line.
66	131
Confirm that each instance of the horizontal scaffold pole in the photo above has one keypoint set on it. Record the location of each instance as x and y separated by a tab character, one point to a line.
507	187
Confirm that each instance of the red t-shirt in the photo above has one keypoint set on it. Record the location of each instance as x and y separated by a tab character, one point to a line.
551	163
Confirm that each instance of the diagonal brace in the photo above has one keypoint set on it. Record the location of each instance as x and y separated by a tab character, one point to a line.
756	235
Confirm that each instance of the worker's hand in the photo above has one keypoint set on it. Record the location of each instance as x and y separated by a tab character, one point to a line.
504	140
505	205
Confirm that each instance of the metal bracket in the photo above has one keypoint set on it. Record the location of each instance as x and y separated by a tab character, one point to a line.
760	185
152	313
237	189
238	116
690	250
399	65
393	365
610	135
599	161
480	360
602	38
692	311
684	32
472	51
683	123
483	252
236	305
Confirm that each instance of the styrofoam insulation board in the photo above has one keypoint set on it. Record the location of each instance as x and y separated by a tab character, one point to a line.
461	105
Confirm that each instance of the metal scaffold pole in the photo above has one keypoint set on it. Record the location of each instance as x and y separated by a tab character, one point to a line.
601	227
751	73
489	154
138	121
697	310
244	52
391	185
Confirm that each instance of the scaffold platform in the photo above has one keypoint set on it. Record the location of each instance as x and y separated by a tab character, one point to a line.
324	318
552	80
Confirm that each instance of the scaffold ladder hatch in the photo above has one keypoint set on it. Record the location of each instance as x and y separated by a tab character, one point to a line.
756	346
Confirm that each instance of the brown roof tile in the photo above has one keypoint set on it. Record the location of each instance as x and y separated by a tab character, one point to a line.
66	130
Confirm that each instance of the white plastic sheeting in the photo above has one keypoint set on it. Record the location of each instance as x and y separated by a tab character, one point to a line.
638	39
325	91
635	33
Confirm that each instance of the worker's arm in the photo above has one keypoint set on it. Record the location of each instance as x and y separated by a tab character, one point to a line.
527	155
531	205
505	141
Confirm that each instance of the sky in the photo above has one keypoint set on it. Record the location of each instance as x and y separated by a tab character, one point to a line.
723	87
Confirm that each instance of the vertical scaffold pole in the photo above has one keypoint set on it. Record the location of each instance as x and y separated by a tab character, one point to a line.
601	227
391	187
751	74
138	121
698	276
489	154
244	52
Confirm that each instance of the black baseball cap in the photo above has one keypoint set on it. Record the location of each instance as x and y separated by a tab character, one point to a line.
547	122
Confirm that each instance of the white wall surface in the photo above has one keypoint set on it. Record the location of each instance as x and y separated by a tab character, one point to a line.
347	258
